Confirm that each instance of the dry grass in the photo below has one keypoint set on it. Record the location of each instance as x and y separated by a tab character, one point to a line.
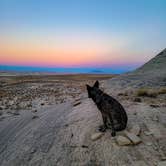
146	93
162	90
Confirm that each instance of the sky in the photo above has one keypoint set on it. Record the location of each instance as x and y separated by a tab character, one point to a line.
81	33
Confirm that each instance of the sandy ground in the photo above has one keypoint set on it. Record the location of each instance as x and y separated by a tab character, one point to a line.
48	120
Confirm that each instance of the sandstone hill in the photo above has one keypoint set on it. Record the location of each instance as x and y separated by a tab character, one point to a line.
152	73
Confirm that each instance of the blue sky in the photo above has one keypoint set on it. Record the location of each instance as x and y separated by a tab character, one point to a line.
102	33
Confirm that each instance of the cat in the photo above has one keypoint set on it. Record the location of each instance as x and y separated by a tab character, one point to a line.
112	111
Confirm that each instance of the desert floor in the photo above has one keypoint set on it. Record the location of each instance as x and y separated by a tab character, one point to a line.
49	120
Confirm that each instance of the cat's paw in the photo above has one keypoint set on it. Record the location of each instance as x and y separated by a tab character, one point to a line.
102	128
113	134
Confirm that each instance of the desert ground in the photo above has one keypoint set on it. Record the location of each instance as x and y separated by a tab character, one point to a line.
49	120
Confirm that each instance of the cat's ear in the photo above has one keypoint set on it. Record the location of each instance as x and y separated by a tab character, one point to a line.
96	84
88	88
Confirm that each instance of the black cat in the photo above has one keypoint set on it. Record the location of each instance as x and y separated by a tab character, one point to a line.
112	111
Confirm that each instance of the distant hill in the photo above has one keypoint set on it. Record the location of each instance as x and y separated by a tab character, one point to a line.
156	64
152	73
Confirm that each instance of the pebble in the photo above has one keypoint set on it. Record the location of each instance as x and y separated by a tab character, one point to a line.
149	143
77	103
148	133
35	116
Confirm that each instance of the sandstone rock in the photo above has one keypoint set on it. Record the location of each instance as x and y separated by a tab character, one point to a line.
96	136
121	140
134	139
161	163
135	130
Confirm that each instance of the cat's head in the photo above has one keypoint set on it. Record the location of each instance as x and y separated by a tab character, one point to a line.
92	90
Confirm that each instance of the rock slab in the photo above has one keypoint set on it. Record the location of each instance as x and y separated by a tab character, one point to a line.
134	138
135	130
122	141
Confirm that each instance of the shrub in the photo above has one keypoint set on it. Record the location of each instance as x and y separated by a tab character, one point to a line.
162	90
146	93
142	92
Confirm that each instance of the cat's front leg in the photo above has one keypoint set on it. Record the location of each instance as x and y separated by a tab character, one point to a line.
103	127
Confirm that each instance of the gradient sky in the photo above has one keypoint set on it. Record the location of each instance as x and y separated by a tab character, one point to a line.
80	33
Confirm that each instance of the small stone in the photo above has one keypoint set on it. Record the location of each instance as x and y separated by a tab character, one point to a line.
35	116
161	163
77	103
84	146
134	139
1	113
155	118
16	113
148	133
135	130
42	104
155	131
34	110
163	158
137	99
96	136
149	143
33	150
11	102
154	105
121	140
